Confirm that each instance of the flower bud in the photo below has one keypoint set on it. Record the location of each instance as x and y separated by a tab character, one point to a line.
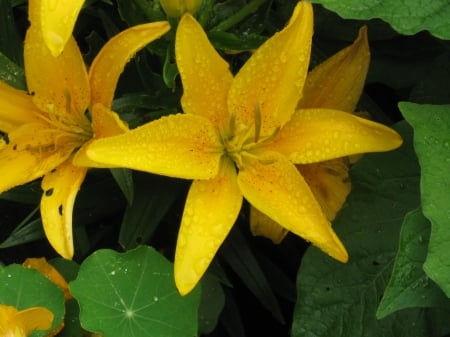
176	8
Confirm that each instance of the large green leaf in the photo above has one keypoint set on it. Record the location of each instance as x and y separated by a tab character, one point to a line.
409	286
337	299
431	125
133	294
25	288
407	17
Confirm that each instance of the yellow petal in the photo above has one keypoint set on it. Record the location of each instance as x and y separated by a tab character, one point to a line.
211	209
112	58
275	187
262	225
274	76
203	73
59	85
330	183
106	123
35	318
46	269
180	146
32	151
57	22
17	108
337	83
314	135
60	189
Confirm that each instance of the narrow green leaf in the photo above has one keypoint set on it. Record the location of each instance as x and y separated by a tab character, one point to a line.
431	125
211	305
24	288
11	73
336	299
124	178
239	256
409	286
10	42
407	17
132	294
153	197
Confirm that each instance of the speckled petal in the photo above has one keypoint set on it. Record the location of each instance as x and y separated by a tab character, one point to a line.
205	75
35	318
57	22
274	76
32	151
330	183
59	85
17	108
112	58
314	135
60	189
262	225
274	186
337	83
181	146
211	209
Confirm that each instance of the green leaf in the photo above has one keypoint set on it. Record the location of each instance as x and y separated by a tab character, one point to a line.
409	286
431	125
124	178
24	288
10	41
211	305
336	299
130	294
153	197
11	73
407	17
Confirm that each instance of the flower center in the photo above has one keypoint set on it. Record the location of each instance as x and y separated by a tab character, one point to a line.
245	140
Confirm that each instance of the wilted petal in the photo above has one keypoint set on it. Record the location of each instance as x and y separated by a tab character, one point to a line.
337	83
203	72
274	76
274	186
314	135
112	58
60	189
17	108
180	146
57	22
211	209
59	85
330	183
33	150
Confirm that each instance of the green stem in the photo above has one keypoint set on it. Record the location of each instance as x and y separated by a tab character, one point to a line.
240	15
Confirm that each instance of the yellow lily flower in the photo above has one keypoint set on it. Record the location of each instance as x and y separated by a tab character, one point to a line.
57	21
45	128
176	8
337	83
241	137
15	323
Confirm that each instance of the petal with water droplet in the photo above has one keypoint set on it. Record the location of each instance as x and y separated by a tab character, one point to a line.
211	209
205	75
274	75
181	146
112	58
57	206
315	135
275	187
337	83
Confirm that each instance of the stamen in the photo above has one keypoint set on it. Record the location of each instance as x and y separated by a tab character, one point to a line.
257	122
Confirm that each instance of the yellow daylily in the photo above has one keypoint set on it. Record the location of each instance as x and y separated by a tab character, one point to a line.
176	8
57	20
337	83
241	137
15	323
47	126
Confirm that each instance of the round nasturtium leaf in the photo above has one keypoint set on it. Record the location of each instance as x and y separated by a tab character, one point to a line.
133	294
24	288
